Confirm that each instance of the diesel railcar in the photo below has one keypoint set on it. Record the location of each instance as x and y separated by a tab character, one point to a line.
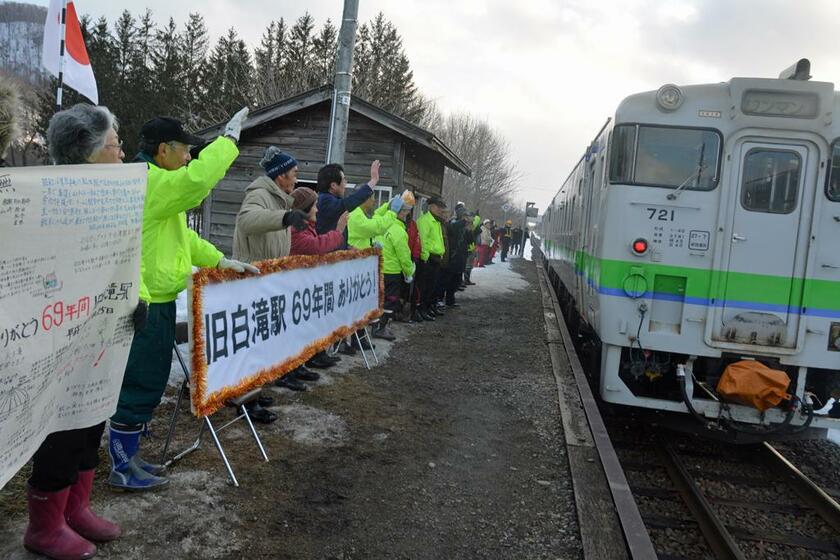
700	228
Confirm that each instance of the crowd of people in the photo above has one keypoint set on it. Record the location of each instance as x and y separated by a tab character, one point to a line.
426	262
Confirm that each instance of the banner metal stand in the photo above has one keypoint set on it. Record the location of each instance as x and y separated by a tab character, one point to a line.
362	348
206	424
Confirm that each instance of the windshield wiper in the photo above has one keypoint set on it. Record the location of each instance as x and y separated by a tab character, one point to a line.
695	174
701	167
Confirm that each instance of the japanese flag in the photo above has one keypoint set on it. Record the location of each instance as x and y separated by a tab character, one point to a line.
78	73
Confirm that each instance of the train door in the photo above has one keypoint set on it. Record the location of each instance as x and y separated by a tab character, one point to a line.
586	233
760	295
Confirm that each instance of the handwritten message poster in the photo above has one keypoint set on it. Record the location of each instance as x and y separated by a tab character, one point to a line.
69	281
247	330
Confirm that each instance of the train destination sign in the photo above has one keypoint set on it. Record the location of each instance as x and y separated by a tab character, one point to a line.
780	104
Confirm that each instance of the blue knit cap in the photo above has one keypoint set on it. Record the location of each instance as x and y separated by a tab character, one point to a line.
277	163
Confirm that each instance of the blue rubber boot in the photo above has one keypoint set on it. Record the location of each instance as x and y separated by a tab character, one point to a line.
126	472
151	468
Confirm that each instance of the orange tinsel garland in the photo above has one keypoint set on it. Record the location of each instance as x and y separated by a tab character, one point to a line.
205	405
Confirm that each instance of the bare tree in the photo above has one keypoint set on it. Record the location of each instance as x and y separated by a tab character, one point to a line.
495	177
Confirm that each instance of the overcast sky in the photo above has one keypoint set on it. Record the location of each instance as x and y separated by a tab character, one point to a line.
548	73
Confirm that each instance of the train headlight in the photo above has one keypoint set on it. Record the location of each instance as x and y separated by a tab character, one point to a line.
669	97
640	247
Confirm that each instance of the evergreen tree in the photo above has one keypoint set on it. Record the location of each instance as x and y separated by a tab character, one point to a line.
382	72
323	55
133	101
227	82
194	44
167	68
143	70
125	33
268	58
145	42
297	56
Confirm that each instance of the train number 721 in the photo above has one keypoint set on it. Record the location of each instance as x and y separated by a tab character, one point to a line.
660	214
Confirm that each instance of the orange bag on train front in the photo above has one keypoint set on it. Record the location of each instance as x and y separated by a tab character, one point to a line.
753	384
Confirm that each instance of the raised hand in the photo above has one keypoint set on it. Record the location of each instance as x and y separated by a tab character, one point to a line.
342	222
374	173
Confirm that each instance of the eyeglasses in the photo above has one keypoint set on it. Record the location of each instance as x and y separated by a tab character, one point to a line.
118	145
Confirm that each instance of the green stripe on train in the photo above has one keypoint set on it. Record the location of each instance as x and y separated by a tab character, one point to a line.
708	284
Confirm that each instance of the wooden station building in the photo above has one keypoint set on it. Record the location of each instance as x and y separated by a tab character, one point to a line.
411	158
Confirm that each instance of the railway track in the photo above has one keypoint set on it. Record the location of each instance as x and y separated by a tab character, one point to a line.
704	499
744	502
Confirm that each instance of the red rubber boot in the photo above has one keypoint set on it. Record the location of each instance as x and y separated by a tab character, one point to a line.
48	532
79	516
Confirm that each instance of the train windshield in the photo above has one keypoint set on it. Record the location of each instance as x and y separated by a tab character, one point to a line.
684	158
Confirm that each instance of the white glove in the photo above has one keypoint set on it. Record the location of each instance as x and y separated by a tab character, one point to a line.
409	279
237	266
234	126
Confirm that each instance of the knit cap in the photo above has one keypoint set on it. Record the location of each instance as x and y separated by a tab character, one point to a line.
304	198
276	163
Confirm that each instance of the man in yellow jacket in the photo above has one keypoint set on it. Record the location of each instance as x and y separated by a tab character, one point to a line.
364	225
431	254
396	264
170	250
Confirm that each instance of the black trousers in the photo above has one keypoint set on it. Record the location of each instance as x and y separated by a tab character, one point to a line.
450	281
505	247
393	289
428	274
63	455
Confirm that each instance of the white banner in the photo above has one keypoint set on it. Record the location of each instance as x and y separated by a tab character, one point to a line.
69	274
244	332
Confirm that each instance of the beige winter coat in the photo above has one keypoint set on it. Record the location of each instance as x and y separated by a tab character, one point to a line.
259	232
486	237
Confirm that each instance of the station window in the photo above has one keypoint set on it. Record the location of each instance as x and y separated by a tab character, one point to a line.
833	187
771	181
670	157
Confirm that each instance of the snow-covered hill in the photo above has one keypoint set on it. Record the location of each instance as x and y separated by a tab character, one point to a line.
21	35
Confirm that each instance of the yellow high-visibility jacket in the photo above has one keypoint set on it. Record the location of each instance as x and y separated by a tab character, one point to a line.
170	248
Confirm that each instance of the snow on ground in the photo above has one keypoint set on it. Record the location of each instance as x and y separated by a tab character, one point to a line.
312	426
181	310
494	279
833	435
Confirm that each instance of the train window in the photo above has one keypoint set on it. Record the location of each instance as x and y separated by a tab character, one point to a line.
622	145
771	181
665	157
833	188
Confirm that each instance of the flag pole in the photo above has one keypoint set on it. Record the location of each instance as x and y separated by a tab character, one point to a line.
60	91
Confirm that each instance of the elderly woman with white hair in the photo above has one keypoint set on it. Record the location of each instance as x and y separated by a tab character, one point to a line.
61	523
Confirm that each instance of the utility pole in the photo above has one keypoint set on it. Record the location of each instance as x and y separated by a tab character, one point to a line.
343	83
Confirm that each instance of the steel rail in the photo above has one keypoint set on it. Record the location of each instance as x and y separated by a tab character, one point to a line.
717	536
814	496
636	535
